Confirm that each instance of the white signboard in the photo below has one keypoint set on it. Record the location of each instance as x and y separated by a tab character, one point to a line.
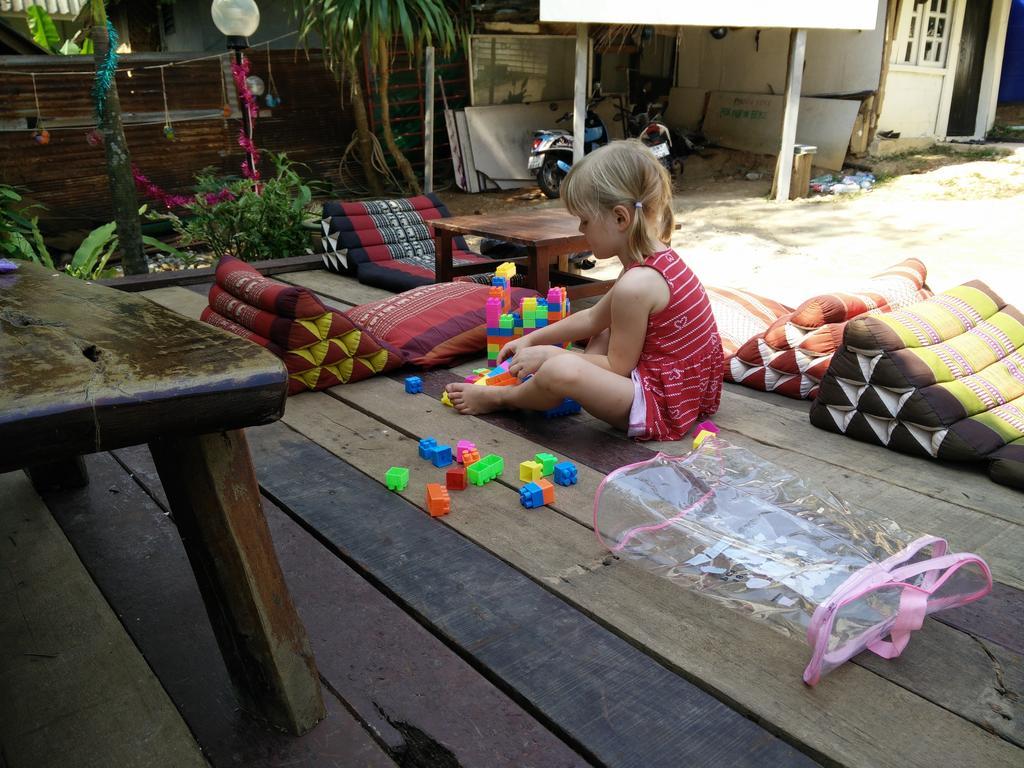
793	14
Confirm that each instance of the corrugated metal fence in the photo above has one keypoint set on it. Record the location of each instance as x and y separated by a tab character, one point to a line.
68	175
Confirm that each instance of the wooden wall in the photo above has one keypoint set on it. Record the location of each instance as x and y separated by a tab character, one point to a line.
68	175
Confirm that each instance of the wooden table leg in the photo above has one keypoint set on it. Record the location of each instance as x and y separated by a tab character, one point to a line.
443	259
67	473
212	490
540	268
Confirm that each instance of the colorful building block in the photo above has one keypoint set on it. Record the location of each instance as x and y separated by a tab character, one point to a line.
461	447
547	462
566	473
445	399
567	408
455	479
441	456
413	385
470	457
537	494
707	426
701	437
427	446
547	490
438	501
530	471
531	496
397	478
503	324
485	470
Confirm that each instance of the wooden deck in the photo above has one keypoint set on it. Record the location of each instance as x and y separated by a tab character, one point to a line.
497	636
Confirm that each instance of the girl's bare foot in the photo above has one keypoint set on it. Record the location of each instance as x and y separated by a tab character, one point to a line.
474	399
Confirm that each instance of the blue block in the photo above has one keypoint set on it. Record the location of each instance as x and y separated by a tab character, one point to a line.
565	473
567	408
427	446
531	496
413	385
441	456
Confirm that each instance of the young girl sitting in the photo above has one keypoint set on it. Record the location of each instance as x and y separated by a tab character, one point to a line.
654	362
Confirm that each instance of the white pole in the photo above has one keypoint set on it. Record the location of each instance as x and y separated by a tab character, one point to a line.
579	114
794	81
428	125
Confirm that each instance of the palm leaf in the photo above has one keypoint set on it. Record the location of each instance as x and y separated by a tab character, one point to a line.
42	28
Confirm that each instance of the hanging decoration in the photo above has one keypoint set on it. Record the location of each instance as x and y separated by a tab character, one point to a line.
168	128
153	191
226	109
105	74
250	167
40	135
272	99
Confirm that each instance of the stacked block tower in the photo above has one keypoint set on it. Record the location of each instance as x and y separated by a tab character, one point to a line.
505	324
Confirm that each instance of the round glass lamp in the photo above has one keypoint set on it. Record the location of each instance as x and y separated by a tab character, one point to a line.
237	19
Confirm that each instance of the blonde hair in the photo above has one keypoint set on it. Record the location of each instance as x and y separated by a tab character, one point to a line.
624	173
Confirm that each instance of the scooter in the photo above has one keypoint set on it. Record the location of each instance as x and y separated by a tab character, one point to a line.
551	153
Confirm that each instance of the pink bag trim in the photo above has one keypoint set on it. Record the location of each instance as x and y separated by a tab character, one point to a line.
914	603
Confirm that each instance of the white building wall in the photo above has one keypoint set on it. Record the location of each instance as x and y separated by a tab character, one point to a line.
837	61
912	99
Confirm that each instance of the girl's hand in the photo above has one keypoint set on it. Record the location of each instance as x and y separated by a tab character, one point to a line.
512	347
527	360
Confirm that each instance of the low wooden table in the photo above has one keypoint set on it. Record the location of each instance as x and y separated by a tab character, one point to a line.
547	235
84	368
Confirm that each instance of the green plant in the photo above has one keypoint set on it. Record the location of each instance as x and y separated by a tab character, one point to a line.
90	259
44	33
342	27
20	237
251	225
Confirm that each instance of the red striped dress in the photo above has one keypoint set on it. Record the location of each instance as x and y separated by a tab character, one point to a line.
680	368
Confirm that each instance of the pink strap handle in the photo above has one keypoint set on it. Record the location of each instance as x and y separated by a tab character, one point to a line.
913	607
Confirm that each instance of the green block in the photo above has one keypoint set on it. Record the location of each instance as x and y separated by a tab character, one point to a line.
547	461
397	478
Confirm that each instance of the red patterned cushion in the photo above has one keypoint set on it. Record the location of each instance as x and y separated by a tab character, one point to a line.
246	283
432	325
318	352
741	315
792	354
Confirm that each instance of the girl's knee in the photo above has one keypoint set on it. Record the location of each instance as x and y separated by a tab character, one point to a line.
561	373
598	345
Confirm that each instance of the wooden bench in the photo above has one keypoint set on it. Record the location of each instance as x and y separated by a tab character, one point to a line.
84	369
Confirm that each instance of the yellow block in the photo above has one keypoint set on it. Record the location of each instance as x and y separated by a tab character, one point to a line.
701	437
530	471
445	400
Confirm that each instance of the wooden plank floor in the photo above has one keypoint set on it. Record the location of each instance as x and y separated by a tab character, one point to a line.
952	698
75	690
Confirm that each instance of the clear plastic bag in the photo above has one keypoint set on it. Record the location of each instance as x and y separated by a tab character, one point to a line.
726	523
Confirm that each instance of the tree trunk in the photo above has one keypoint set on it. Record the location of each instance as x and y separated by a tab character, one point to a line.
384	64
119	162
363	129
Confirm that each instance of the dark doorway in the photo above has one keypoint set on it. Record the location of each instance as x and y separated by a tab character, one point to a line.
963	111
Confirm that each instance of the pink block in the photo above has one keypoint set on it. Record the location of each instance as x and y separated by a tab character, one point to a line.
462	447
493	312
708	426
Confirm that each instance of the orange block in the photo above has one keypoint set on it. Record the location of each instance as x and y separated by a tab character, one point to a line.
438	501
470	457
547	489
501	380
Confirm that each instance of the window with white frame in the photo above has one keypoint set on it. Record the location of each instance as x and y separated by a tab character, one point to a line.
925	28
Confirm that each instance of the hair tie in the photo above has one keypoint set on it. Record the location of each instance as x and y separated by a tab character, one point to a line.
638	204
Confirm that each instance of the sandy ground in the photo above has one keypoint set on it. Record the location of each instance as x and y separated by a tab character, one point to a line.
963	220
